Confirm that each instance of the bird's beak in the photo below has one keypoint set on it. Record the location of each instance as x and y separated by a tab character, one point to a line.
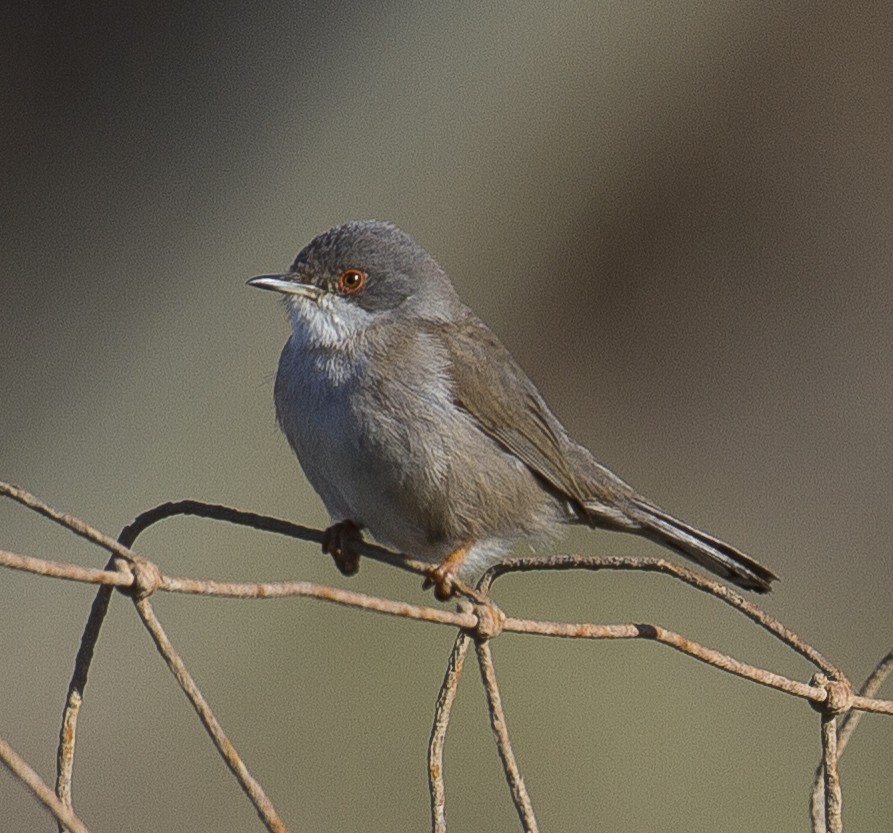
287	286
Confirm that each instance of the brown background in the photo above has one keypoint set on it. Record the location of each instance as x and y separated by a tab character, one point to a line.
678	217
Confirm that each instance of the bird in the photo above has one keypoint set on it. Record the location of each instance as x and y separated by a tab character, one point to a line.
414	423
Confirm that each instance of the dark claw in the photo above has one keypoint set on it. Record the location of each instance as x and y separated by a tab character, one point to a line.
339	541
442	582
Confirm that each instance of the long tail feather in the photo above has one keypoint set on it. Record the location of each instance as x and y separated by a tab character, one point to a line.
610	502
709	552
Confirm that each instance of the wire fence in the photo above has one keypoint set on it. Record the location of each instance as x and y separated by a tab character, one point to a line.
477	621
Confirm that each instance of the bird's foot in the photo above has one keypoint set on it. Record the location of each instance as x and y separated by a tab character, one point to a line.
340	541
443	577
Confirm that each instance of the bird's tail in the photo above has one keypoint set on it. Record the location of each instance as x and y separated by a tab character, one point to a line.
711	553
614	504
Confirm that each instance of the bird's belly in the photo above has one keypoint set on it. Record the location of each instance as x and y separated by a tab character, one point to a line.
395	470
357	482
321	429
359	474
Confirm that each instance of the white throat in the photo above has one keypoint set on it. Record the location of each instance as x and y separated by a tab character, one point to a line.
328	324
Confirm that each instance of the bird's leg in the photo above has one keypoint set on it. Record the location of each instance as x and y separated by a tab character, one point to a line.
442	576
340	541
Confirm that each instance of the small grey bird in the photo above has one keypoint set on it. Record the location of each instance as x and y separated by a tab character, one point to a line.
413	421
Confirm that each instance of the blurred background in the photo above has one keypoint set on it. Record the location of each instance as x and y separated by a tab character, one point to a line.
677	216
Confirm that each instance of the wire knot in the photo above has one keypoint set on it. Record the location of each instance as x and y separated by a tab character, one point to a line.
146	577
490	620
839	695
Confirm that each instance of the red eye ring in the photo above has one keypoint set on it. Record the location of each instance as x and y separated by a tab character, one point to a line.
351	281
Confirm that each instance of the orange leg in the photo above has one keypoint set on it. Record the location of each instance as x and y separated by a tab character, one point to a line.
339	541
441	577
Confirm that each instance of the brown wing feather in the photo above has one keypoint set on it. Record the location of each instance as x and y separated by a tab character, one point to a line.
492	388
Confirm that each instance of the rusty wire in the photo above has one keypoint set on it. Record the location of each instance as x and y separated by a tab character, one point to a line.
478	621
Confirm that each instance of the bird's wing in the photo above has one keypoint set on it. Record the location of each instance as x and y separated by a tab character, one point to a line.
491	387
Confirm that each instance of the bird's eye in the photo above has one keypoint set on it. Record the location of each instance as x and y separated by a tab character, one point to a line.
351	281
